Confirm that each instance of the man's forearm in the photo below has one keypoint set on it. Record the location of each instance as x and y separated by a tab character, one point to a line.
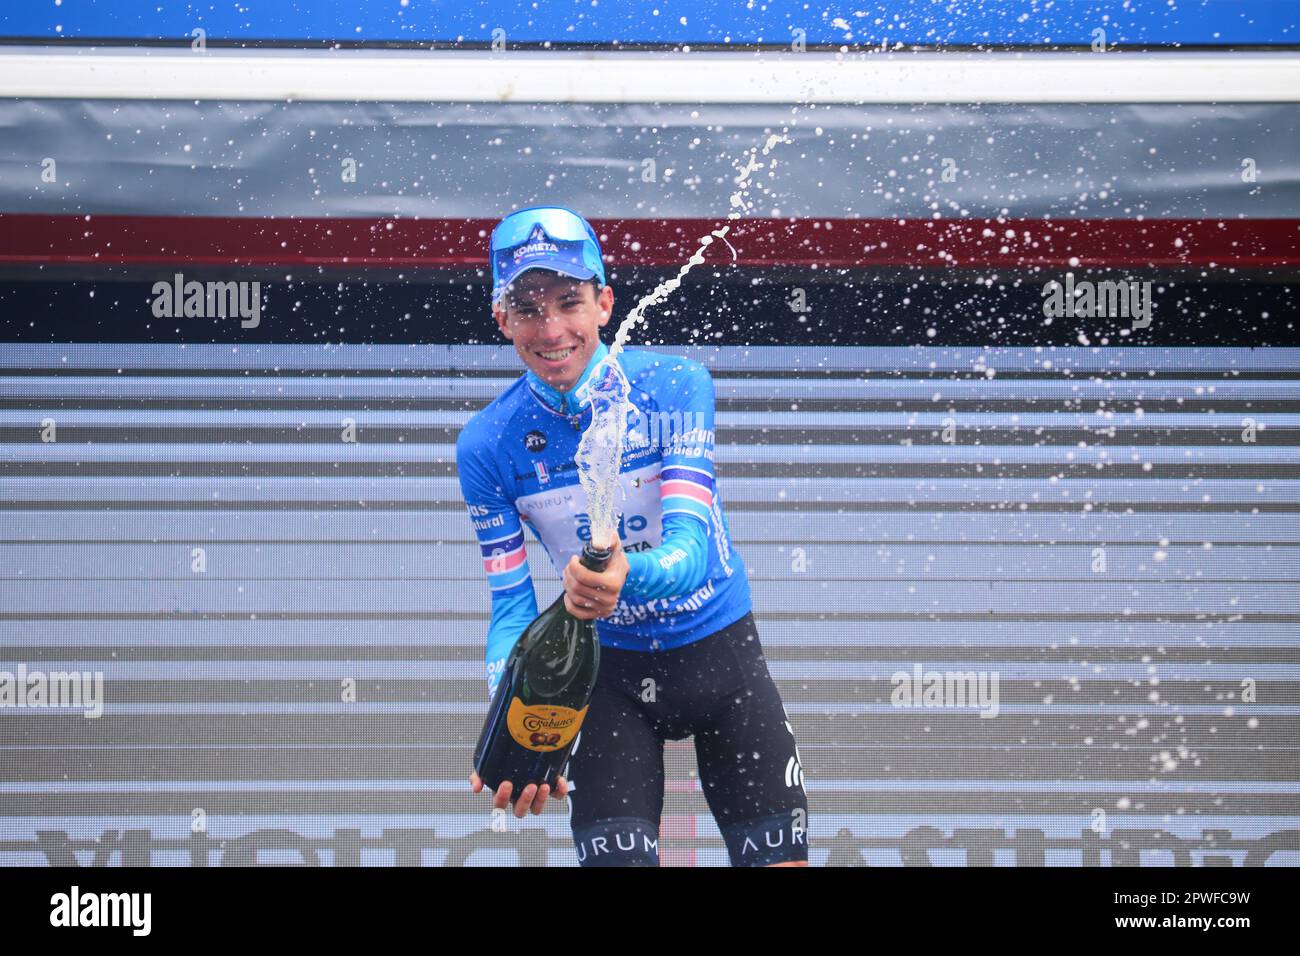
677	566
511	615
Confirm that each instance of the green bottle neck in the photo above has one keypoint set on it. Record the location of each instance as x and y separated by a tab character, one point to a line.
596	559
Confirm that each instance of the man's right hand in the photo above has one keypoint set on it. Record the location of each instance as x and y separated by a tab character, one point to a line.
533	798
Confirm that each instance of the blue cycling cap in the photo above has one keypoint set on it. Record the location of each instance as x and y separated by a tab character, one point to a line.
544	237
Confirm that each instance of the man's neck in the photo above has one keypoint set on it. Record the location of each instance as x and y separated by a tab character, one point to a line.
566	402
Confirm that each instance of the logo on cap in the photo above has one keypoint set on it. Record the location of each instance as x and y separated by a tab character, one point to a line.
538	246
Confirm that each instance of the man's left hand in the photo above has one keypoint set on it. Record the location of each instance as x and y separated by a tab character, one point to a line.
589	595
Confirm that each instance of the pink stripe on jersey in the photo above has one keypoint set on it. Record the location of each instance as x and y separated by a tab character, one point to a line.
504	562
688	489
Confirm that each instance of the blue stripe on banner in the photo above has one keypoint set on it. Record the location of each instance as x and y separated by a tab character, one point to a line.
778	22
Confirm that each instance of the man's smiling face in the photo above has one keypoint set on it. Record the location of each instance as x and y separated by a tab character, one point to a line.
554	323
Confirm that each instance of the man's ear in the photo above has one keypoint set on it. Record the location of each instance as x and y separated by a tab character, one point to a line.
606	303
499	313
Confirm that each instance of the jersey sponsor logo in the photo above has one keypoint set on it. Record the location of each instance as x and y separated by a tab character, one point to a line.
750	846
692	450
698	598
534	441
494	671
546	502
486	524
558	514
628	615
625	841
635	438
625	614
632	454
626	524
673	557
720	535
793	773
794	769
556	469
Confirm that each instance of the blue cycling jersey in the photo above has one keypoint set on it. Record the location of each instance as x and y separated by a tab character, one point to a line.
516	464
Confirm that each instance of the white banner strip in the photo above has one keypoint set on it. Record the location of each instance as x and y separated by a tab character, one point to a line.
648	77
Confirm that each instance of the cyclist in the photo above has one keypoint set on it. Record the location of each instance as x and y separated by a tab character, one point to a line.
680	651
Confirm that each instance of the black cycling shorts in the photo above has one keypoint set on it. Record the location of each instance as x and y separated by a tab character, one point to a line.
717	689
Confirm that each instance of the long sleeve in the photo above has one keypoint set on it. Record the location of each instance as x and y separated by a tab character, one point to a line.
501	544
680	563
677	566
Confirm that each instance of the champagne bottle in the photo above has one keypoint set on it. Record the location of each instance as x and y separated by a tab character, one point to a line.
543	695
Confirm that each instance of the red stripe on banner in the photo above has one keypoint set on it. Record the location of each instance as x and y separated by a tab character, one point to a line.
35	239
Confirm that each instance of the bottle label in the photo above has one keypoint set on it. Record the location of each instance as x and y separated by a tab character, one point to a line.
543	727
